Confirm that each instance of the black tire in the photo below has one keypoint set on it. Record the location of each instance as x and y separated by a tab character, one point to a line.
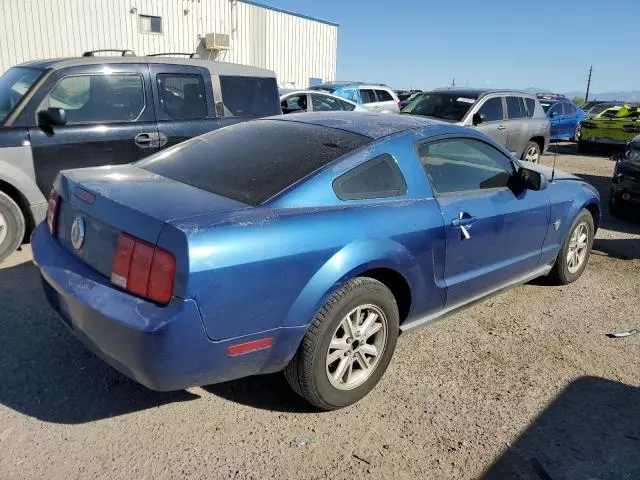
576	134
12	222
560	273
307	372
532	146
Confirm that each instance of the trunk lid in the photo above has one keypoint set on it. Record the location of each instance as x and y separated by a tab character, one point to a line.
125	199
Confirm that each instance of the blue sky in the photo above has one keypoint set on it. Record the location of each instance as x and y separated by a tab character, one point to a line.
497	43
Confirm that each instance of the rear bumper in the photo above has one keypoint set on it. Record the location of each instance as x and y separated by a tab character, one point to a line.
163	348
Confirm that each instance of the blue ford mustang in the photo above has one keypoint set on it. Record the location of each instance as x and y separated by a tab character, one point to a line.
305	243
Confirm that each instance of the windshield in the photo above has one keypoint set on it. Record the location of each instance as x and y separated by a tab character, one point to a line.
13	85
445	106
596	109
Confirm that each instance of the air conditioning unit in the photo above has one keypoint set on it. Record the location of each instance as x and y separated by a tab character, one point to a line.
216	41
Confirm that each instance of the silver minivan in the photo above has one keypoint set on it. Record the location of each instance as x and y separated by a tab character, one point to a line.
514	119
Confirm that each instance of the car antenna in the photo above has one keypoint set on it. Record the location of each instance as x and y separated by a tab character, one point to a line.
555	157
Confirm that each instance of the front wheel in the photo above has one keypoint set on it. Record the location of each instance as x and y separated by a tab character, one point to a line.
347	347
576	249
576	134
531	153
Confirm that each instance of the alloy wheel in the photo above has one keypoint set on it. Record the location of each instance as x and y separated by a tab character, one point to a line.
578	247
356	347
532	155
3	228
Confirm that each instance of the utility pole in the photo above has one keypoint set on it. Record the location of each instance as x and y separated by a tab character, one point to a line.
586	97
453	83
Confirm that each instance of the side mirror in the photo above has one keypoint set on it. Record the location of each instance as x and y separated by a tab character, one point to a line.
52	117
477	118
530	179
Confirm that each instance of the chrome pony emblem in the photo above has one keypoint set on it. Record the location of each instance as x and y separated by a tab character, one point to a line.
556	224
77	233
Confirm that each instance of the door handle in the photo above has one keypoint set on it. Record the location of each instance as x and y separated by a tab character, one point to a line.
147	140
463	221
501	127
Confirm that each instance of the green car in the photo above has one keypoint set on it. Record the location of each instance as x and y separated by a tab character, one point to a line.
613	127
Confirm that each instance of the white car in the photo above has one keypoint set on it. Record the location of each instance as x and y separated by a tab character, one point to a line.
296	101
374	97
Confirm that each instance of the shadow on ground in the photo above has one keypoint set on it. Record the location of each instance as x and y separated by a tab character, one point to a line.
590	431
46	373
570	148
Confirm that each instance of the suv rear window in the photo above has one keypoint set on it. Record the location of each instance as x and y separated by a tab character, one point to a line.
515	107
384	96
250	96
253	161
531	107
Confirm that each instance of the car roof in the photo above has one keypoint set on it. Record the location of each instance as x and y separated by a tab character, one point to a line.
214	67
478	92
368	124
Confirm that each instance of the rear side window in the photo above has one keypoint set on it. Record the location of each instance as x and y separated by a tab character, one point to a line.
346	106
324	103
368	96
182	96
253	161
569	109
376	178
515	107
250	96
98	98
384	96
531	107
491	110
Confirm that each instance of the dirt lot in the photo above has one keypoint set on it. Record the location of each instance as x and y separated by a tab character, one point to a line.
526	385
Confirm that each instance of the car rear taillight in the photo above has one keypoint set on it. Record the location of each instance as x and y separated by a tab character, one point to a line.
143	269
399	105
52	211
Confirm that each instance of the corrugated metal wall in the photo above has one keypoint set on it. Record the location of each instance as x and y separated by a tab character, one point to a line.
296	48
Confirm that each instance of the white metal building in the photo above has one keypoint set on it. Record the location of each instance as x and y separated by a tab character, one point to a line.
296	47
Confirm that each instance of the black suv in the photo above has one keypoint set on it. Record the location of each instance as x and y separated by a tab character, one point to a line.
96	110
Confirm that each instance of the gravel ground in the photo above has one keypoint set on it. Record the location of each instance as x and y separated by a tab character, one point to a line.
525	385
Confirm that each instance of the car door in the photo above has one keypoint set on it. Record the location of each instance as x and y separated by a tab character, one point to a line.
569	121
386	103
556	117
110	119
184	102
295	103
369	99
491	119
494	235
325	103
517	125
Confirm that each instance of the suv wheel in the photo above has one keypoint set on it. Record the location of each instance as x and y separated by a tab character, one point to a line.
576	249
531	153
347	347
11	226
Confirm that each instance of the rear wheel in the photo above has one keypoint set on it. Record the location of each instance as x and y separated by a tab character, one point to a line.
576	249
576	134
347	347
531	153
11	226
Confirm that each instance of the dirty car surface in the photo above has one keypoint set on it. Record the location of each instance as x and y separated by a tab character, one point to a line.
230	254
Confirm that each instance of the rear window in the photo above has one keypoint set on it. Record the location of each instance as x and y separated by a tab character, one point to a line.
384	96
531	106
251	162
250	96
515	107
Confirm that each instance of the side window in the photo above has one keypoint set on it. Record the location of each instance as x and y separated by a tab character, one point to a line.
324	103
349	94
348	107
376	178
491	110
182	96
250	96
569	109
515	107
531	107
464	164
98	98
368	96
384	96
294	104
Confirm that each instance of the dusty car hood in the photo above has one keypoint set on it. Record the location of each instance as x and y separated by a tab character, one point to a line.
546	171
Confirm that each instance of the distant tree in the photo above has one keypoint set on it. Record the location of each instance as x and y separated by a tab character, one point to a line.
578	100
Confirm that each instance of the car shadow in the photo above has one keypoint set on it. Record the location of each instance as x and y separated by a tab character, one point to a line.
266	392
563	147
48	374
590	430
